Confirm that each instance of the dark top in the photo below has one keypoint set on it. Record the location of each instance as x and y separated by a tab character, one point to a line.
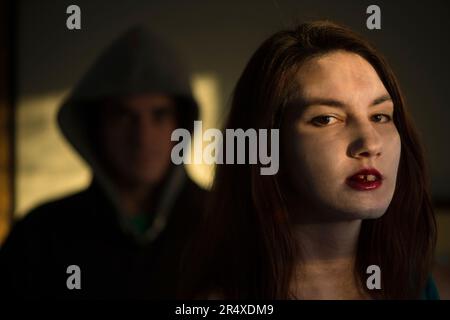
81	230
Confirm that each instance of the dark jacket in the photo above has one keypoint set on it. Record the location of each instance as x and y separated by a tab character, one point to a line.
88	229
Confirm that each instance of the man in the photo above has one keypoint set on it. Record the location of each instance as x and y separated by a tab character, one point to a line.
124	236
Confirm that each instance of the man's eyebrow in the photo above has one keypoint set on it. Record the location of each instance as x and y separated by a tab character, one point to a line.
306	102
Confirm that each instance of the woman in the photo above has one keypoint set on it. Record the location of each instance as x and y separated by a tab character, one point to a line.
351	191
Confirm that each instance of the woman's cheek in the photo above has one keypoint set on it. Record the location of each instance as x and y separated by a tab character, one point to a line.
392	145
395	152
317	155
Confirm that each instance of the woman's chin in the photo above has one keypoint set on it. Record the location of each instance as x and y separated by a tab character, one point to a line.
361	213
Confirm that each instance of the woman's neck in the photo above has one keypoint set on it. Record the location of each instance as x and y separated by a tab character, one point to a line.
326	268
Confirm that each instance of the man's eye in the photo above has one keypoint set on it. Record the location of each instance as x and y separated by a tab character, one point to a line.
381	118
321	121
120	114
162	114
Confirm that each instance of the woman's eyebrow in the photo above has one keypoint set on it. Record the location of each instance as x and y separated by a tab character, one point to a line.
307	102
381	99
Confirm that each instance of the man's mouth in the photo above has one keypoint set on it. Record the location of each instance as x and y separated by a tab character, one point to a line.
365	180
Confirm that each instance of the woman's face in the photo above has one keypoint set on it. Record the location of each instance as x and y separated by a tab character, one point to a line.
341	126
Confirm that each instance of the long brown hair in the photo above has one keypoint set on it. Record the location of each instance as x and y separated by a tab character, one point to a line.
245	247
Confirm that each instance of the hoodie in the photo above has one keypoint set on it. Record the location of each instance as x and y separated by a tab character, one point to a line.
89	230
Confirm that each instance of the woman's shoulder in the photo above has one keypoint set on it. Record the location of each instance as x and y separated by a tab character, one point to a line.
430	292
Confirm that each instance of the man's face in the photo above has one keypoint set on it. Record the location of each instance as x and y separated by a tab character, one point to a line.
343	123
135	136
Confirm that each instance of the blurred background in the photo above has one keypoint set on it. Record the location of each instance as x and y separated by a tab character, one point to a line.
41	60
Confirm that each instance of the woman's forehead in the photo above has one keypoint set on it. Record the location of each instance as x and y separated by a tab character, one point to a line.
340	75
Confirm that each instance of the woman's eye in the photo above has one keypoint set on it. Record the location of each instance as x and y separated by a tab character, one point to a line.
321	121
381	118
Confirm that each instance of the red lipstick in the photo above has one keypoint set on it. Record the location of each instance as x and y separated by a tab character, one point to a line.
365	180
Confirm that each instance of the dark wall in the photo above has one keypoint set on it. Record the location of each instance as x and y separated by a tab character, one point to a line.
219	37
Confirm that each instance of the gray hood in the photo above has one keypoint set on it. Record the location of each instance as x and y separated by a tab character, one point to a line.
137	62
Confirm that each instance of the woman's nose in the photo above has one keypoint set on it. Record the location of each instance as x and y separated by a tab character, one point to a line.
366	142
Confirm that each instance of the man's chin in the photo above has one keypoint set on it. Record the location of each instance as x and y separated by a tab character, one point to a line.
141	178
149	176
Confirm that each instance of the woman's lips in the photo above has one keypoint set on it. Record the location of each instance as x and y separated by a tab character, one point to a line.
365	180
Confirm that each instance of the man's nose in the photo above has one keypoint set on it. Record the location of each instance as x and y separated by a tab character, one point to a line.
366	142
144	129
